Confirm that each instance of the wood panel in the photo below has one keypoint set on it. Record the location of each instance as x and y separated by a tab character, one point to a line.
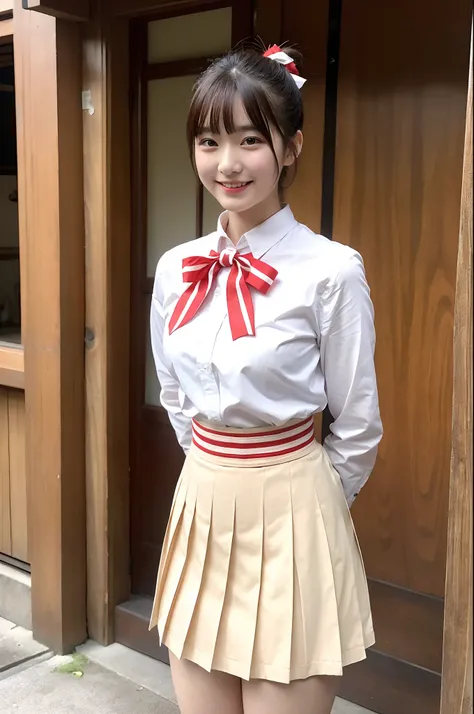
5	519
13	511
107	199
6	30
16	440
134	8
401	112
456	697
12	367
51	220
131	626
408	626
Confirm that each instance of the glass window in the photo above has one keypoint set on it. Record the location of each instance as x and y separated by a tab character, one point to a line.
202	34
10	314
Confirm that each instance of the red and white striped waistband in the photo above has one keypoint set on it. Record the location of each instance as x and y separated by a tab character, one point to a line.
246	444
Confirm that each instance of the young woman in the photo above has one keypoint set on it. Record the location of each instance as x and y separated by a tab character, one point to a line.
261	595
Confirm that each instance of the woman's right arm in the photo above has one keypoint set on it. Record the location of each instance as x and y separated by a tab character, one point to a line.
170	388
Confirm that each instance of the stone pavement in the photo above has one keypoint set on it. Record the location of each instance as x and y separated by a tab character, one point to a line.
95	680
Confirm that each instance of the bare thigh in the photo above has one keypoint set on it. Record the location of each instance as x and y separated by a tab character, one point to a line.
201	692
315	695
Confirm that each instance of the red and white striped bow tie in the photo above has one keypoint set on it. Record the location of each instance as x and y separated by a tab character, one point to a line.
201	272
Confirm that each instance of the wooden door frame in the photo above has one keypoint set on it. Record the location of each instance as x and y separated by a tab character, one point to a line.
456	683
132	616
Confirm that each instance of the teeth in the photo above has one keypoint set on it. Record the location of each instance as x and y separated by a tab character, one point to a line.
235	185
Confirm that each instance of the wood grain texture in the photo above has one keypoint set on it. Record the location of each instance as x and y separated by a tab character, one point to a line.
456	696
107	199
18	507
400	135
51	219
5	519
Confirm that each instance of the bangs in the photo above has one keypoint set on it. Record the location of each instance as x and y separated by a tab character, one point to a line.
213	102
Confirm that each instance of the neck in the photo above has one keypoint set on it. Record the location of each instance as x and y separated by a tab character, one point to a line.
242	222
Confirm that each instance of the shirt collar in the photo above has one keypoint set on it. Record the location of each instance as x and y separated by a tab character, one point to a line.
260	239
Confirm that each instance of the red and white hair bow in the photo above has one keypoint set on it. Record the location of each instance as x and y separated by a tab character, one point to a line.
277	54
245	271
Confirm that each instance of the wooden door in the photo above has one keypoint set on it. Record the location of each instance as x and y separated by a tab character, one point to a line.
402	94
169	207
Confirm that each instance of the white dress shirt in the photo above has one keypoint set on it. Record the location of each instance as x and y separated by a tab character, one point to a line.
314	344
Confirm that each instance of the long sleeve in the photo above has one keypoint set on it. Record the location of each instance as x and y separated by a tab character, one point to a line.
170	388
347	346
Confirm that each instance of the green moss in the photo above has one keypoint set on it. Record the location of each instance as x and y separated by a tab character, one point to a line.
77	664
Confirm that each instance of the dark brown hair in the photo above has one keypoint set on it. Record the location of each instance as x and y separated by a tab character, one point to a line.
268	92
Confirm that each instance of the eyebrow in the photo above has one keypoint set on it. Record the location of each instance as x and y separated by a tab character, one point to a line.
237	129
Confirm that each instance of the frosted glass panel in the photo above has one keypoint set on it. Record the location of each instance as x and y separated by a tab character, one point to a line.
171	209
201	34
152	385
211	210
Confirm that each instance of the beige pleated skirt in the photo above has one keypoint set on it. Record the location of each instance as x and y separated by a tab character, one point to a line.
261	575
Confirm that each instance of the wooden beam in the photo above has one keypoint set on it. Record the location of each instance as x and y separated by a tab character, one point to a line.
107	240
134	8
6	29
12	367
456	690
6	7
75	10
51	221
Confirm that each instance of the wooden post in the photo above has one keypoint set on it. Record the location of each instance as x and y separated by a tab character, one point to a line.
456	690
51	219
107	203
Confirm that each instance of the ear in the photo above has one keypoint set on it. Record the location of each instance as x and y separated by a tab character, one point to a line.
293	150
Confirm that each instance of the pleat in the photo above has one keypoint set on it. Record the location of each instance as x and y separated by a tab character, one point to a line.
188	591
202	635
339	535
236	634
319	641
274	625
177	560
360	580
174	520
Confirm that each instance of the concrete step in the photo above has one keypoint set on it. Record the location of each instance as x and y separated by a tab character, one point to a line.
15	596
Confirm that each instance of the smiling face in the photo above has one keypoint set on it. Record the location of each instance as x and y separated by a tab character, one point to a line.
240	169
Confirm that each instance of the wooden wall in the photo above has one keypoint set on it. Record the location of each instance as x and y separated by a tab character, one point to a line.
13	525
400	133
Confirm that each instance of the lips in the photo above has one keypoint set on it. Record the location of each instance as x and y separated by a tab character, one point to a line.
230	187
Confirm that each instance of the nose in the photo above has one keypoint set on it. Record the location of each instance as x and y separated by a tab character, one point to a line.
229	162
